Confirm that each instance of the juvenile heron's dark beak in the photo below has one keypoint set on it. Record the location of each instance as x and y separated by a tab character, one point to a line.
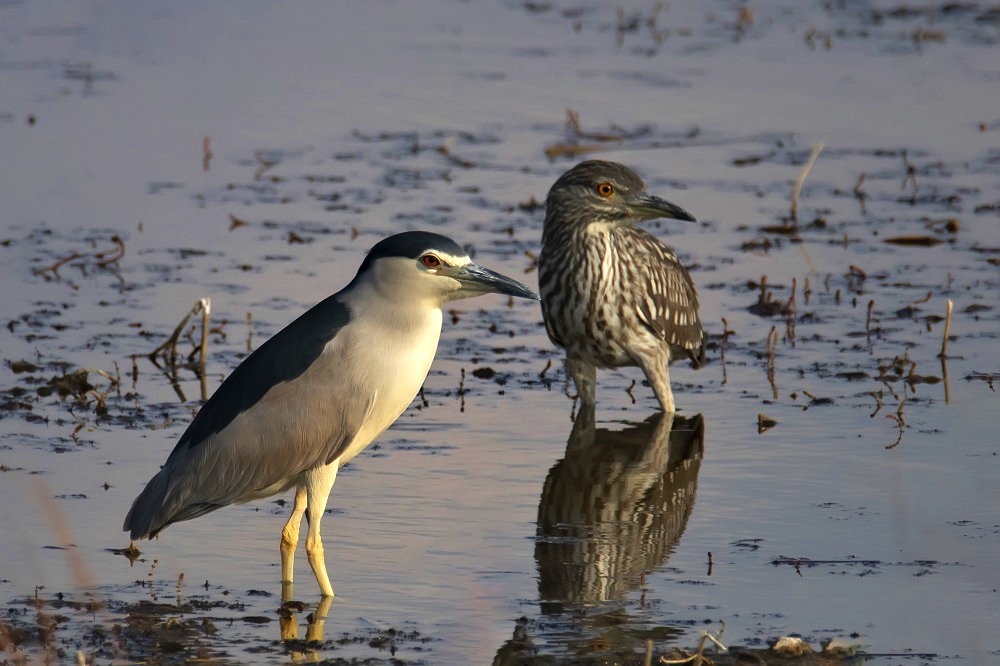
478	280
650	207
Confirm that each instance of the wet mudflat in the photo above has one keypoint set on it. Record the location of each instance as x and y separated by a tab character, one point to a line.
828	474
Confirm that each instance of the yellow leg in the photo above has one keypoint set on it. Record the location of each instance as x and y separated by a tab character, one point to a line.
319	481
290	535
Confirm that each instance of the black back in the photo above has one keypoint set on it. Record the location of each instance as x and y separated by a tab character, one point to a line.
294	348
282	358
410	244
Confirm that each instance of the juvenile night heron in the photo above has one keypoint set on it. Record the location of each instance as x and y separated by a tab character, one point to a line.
612	294
317	393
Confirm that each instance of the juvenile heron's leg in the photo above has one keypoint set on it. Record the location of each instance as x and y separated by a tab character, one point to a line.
658	376
290	535
585	378
319	481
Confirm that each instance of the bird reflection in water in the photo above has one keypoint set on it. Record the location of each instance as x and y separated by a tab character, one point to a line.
301	649
612	510
615	507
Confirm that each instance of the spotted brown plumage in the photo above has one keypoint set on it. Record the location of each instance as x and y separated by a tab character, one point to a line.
613	295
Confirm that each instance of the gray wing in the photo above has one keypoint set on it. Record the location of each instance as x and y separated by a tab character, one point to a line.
284	410
669	305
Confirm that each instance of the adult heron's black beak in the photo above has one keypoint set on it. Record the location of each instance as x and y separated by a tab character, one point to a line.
650	207
477	280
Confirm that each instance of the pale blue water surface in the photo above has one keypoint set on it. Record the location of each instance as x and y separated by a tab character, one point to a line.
332	125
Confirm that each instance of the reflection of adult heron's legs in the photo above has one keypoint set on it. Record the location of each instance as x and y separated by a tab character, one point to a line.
289	625
317	620
286	616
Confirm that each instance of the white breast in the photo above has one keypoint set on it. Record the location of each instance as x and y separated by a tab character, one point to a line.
389	351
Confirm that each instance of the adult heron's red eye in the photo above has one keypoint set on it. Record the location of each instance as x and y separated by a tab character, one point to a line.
430	261
605	190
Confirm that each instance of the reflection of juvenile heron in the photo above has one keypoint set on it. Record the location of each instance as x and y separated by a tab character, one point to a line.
615	507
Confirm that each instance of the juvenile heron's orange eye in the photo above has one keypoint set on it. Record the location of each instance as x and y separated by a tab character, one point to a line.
430	261
605	190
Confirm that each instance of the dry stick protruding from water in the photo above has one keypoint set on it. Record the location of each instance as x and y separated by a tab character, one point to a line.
169	348
657	36
944	352
859	194
629	391
868	321
533	261
790	312
699	657
947	330
797	190
206	153
264	162
878	402
572	147
771	349
461	392
900	423
722	347
102	259
909	177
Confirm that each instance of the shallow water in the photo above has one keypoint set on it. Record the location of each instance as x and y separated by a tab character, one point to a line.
331	128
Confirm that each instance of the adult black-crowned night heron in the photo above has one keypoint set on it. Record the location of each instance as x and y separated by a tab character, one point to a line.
612	294
317	393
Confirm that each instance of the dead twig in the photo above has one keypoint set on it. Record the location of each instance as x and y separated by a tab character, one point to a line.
202	306
797	190
909	177
772	346
868	322
533	259
722	347
944	378
947	329
264	162
900	423
102	259
859	194
790	312
572	149
206	153
107	257
461	392
878	402
698	657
